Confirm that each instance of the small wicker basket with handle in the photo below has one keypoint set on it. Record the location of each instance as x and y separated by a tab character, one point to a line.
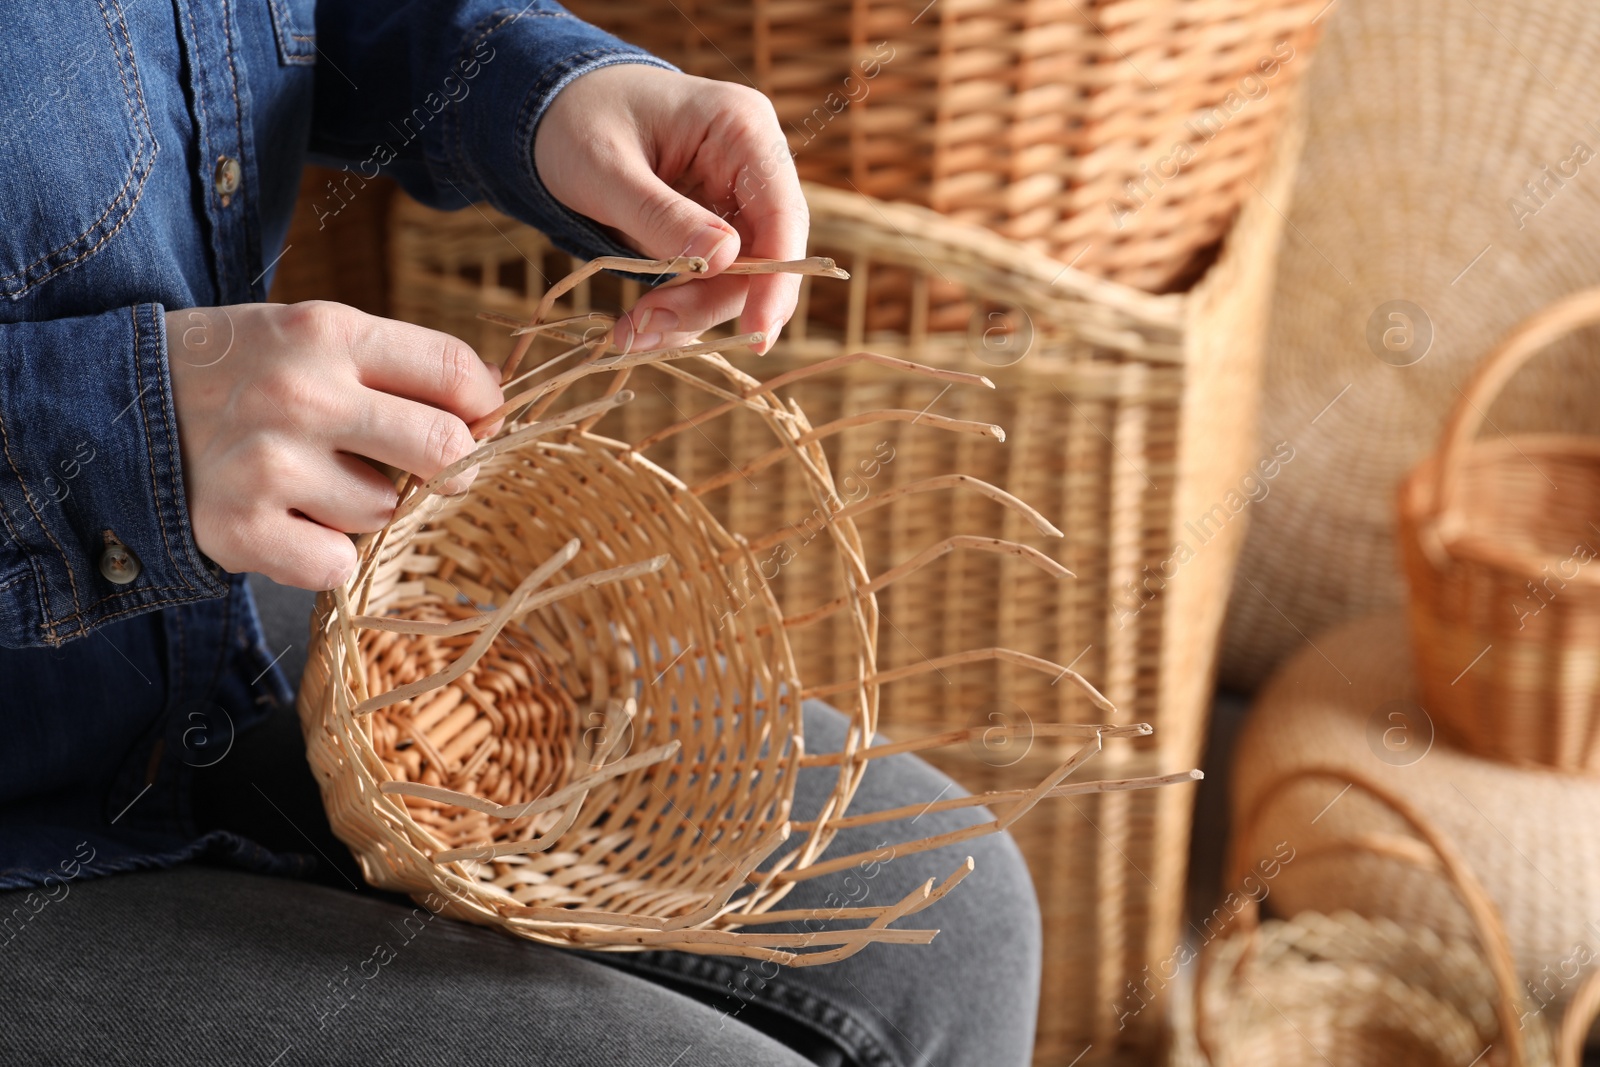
1499	539
1343	989
564	702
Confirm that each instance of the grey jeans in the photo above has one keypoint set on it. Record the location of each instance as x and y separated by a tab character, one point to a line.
205	965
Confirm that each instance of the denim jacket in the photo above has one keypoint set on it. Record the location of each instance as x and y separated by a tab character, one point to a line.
150	153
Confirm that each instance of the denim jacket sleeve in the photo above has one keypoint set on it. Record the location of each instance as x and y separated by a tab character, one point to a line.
89	460
464	86
443	94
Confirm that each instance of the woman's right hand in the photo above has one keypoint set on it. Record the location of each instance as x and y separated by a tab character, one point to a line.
283	410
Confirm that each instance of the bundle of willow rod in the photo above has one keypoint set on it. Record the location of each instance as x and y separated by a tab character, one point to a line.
564	701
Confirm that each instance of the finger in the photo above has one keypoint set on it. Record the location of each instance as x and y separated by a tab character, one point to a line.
346	493
670	316
303	553
425	365
661	222
279	541
774	221
414	437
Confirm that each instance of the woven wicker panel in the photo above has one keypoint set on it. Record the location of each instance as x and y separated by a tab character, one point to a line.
1119	135
1127	413
1426	123
1527	834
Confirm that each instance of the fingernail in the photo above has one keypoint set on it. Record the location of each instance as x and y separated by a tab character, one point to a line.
707	242
657	320
622	335
769	337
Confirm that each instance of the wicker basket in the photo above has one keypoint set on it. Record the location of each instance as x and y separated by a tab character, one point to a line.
564	702
1531	836
1341	989
1498	538
1128	416
1427	122
1120	136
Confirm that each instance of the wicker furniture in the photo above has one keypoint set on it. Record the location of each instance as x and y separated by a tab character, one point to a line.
1120	136
1439	134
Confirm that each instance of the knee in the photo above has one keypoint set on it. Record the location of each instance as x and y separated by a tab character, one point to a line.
999	910
996	905
990	934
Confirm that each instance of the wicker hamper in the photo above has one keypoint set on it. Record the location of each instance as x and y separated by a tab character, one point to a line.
1129	416
1119	135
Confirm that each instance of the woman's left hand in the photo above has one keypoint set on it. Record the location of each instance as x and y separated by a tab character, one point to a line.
681	166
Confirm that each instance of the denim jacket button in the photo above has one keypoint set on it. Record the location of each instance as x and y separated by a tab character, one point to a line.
227	178
117	561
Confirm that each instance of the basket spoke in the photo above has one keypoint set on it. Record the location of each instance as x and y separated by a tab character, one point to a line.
866	418
975	655
921	560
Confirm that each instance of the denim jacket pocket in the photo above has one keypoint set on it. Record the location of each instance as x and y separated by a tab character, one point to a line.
294	22
76	147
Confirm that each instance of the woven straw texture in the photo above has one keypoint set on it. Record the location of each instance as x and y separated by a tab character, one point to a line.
1125	415
1118	135
565	703
1344	989
1497	536
1351	703
1340	988
1427	122
1351	991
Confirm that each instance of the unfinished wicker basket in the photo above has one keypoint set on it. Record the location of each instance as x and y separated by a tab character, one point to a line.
1129	416
1346	990
1499	541
564	702
1117	135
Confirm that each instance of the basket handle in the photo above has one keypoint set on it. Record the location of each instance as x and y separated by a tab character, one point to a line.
1580	1015
1535	333
1485	916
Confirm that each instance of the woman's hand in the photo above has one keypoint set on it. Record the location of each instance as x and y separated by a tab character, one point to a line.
280	408
681	166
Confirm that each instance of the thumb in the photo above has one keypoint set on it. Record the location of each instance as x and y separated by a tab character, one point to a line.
663	223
